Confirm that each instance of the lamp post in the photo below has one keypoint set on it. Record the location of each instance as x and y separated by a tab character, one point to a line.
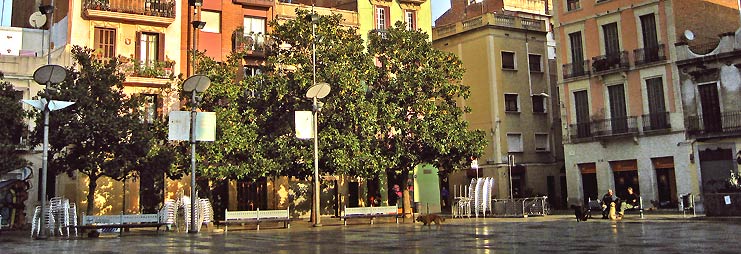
316	92
47	75
195	84
511	163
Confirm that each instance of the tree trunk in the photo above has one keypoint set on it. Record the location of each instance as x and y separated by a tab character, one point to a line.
91	194
406	199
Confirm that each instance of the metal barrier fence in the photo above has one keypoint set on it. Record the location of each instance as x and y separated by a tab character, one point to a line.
521	207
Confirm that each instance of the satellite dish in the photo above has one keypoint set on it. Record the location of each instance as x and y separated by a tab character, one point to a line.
689	35
52	73
198	83
37	19
318	91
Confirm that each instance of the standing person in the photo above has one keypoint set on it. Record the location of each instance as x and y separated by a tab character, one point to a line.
444	195
608	198
631	201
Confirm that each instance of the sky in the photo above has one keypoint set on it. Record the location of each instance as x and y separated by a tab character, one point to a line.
438	8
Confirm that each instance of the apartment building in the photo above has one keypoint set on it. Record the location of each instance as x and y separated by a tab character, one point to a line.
505	54
621	100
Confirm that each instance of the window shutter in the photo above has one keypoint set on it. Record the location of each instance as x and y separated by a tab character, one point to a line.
375	17
387	11
138	46
161	47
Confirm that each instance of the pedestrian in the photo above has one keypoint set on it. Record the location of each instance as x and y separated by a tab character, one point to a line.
444	195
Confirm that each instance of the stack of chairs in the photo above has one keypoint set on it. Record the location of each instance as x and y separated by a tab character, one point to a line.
61	218
168	213
206	211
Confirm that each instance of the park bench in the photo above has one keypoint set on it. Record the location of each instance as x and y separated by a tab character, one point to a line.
123	221
257	217
370	212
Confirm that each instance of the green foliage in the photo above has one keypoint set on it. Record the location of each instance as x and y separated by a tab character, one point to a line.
103	133
12	120
417	89
376	119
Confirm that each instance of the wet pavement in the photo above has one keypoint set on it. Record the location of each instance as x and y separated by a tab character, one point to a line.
555	233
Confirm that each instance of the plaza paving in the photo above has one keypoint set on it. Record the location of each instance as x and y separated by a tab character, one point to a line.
550	234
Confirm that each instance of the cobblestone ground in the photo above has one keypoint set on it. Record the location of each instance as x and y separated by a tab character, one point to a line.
551	234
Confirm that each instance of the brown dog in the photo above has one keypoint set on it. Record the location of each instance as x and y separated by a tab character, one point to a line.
428	219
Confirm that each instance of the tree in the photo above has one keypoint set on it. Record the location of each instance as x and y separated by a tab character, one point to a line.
12	118
102	134
416	91
255	131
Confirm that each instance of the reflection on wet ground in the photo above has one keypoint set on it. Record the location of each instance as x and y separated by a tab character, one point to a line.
529	235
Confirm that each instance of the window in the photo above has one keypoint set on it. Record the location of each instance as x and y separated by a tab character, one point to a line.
149	108
508	60
539	104
650	39
382	17
581	106
514	142
534	62
618	110
150	48
577	53
410	17
541	142
612	42
213	21
105	42
572	5
254	27
657	118
510	103
250	71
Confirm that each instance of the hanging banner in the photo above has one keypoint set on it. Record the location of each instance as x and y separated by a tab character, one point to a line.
304	125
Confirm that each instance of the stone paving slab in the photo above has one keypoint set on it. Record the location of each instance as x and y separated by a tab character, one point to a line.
557	234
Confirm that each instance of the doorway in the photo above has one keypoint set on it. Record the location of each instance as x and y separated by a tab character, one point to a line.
352	199
667	186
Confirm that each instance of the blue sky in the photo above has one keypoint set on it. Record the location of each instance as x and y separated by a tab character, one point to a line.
438	8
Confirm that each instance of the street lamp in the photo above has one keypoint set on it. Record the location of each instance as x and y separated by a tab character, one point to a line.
194	85
510	163
47	75
317	91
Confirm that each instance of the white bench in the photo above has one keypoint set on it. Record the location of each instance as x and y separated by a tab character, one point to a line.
257	217
121	221
370	212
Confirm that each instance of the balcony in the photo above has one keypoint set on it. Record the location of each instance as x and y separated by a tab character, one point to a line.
646	56
252	44
604	128
610	63
656	122
615	126
575	70
154	73
158	12
580	131
258	3
727	123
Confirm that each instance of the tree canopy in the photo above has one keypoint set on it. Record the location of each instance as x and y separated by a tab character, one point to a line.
103	133
13	119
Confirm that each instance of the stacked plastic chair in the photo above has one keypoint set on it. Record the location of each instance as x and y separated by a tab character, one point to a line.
206	211
168	213
72	219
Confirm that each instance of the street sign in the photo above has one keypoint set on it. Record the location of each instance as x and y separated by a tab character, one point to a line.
179	126
304	125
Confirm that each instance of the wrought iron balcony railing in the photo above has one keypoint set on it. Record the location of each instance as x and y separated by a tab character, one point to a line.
580	131
157	8
610	63
654	122
253	43
649	55
615	126
714	125
576	69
